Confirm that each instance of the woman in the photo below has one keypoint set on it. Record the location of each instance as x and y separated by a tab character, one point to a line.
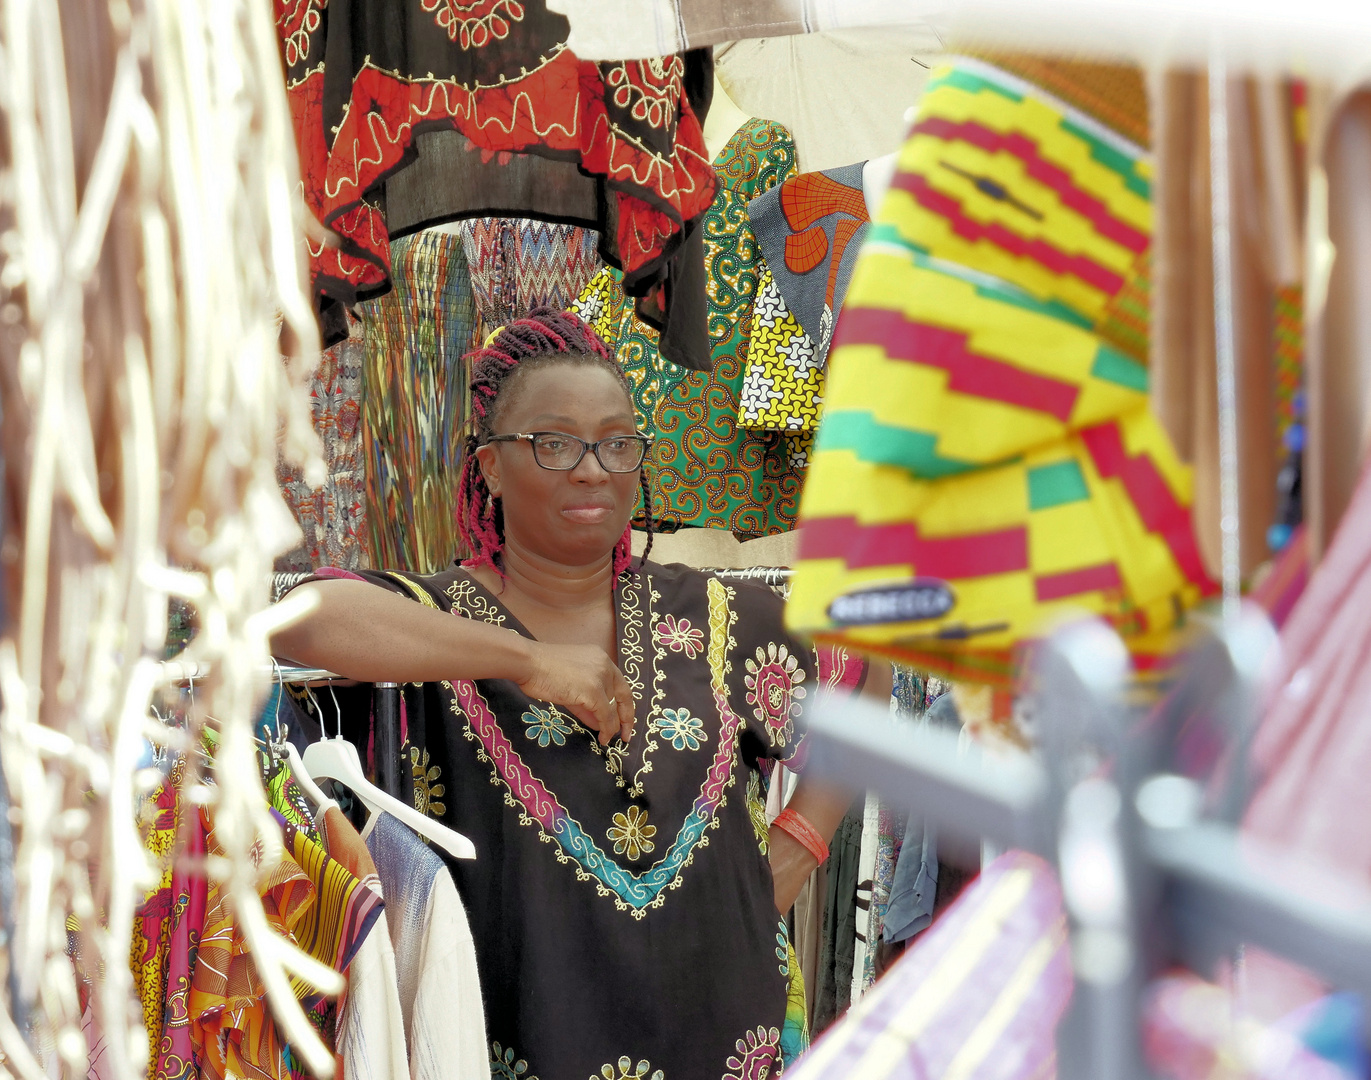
625	895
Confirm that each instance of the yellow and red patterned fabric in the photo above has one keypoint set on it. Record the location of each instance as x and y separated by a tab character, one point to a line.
987	461
996	176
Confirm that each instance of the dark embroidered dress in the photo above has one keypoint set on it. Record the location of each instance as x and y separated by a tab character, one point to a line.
621	898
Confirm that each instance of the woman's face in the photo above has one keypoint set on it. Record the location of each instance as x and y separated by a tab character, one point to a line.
574	518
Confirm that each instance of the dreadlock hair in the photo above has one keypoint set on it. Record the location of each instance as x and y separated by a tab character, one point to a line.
546	337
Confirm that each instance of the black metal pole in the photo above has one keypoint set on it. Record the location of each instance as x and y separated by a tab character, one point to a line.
387	713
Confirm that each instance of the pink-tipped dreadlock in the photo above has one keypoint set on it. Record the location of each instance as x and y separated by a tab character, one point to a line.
546	337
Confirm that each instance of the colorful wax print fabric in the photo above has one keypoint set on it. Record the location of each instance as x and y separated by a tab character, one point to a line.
333	517
158	819
517	264
310	899
174	1054
987	459
609	866
415	403
707	470
810	230
979	996
783	388
366	82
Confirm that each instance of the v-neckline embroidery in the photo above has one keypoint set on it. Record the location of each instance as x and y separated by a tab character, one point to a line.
646	691
636	891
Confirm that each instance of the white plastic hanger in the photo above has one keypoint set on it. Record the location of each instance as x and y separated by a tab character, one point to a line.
336	759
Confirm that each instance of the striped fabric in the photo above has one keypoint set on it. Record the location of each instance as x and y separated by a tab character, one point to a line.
987	461
414	403
999	177
977	998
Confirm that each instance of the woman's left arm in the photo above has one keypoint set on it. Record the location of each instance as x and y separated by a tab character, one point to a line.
823	805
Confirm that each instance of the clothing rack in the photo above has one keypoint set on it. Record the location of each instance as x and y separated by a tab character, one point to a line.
1190	889
385	703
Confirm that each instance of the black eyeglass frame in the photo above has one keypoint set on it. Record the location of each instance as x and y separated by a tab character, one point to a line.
641	438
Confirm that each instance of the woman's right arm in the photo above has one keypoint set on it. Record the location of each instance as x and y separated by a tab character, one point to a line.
365	632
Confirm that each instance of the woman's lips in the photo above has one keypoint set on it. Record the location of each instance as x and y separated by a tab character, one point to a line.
587	515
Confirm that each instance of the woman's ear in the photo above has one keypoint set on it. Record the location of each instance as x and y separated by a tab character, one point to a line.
489	462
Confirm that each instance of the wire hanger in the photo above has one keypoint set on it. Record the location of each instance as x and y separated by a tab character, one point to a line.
336	759
285	750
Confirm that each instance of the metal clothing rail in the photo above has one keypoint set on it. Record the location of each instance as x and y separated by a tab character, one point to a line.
385	704
1100	802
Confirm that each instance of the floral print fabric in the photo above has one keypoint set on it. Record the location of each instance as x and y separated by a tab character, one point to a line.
608	866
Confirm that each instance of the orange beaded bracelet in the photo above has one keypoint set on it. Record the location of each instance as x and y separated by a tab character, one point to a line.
795	824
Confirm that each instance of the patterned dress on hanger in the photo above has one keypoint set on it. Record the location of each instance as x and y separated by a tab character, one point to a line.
708	470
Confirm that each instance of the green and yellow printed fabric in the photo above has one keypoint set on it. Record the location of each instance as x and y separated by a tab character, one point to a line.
708	469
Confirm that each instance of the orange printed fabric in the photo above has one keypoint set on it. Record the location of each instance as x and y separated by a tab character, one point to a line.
232	1029
309	898
987	461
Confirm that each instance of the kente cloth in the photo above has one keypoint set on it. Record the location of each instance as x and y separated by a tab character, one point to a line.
1195	1030
620	143
158	820
414	403
1001	176
371	1027
173	1056
332	517
435	955
608	866
706	470
783	387
1311	750
978	996
987	459
518	264
809	231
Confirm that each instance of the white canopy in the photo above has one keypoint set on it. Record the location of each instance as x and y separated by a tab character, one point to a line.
1325	39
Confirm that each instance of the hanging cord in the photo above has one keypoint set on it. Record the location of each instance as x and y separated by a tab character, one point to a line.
1224	349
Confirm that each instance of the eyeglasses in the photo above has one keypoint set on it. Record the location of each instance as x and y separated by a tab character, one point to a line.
561	453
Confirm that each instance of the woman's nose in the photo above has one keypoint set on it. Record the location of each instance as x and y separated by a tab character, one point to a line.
589	469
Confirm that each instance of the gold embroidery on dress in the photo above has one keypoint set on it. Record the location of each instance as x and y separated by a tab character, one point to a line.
474	605
427	790
420	593
756	809
721	621
626	1070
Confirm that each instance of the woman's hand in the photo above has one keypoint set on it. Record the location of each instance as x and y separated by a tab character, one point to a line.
584	681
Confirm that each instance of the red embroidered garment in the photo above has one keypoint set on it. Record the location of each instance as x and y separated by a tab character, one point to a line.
367	78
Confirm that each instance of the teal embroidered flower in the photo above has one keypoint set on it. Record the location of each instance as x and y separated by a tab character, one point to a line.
545	726
681	729
504	1066
783	951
